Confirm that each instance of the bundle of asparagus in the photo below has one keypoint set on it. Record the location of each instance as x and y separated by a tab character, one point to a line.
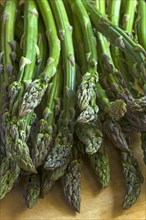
72	74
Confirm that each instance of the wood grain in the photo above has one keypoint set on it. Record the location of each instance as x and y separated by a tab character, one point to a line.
96	203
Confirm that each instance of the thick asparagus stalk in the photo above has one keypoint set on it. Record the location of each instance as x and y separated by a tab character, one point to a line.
72	183
120	39
141	23
100	164
9	172
31	189
63	143
36	89
133	178
45	133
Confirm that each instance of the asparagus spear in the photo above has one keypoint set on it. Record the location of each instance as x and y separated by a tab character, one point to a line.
72	183
114	16
141	23
9	172
128	17
49	179
133	178
31	189
7	36
17	129
45	133
90	89
36	89
111	78
86	92
114	133
91	136
100	164
119	38
60	153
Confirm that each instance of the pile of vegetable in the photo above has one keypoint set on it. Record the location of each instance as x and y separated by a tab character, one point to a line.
72	74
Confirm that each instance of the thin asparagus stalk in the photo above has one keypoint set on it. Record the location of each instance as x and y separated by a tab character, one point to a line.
45	133
119	38
71	182
141	23
31	189
100	164
42	50
36	89
133	178
9	172
60	153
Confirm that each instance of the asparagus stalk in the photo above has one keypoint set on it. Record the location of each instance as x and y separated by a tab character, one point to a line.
100	164
91	136
31	189
119	38
113	82
141	23
114	16
86	92
49	179
90	89
9	172
72	183
17	129
128	17
45	133
27	62
114	133
133	178
36	89
7	36
60	153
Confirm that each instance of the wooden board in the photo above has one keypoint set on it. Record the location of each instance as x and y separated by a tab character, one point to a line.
96	203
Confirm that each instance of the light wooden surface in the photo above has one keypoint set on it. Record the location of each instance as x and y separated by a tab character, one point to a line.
96	203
